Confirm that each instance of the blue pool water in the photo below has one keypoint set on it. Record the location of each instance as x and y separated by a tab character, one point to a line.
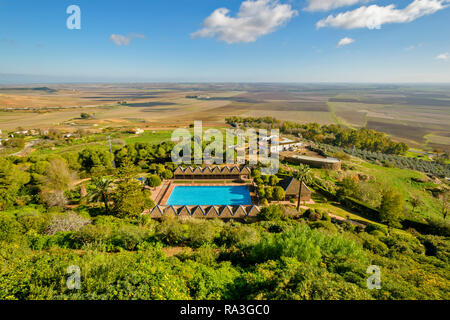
209	195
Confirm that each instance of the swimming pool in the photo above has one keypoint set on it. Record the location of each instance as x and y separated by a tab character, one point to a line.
209	195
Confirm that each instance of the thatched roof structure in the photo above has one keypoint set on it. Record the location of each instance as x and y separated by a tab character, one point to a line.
235	170
240	212
213	170
212	212
227	212
252	211
188	170
207	170
170	211
178	170
197	170
198	212
209	212
225	170
184	211
157	212
291	185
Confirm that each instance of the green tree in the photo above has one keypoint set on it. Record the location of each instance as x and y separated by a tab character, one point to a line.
391	209
130	199
269	193
278	193
261	191
101	191
153	181
14	143
167	174
12	179
348	188
57	175
303	175
57	179
415	202
95	160
273	180
256	173
85	115
127	170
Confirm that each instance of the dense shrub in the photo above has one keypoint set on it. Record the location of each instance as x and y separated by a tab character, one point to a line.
33	221
275	226
92	236
306	245
372	243
278	259
439	226
154	181
326	216
201	233
377	233
278	193
436	246
271	213
290	279
172	231
404	243
10	229
312	214
238	235
375	227
128	237
327	225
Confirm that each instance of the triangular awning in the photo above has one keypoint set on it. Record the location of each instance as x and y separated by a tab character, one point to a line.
240	212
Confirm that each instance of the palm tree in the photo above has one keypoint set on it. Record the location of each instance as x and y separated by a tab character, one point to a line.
303	175
101	191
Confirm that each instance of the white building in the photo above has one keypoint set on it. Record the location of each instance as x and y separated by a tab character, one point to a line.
283	144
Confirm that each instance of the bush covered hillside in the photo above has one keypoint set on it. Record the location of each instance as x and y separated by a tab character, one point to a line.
290	256
84	207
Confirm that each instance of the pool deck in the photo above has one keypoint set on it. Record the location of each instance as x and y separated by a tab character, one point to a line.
168	192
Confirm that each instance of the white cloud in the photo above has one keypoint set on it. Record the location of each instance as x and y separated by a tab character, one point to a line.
121	40
345	41
326	5
413	47
443	56
254	19
374	16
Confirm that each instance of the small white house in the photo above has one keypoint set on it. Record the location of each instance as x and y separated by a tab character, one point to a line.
136	131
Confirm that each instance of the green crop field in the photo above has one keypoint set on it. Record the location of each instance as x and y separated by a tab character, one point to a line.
150	137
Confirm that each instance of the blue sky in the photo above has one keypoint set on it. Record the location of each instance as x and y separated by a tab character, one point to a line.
255	41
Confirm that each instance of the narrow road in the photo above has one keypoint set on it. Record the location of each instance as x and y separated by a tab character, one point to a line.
27	149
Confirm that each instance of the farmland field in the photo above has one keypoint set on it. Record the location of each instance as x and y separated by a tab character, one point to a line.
417	115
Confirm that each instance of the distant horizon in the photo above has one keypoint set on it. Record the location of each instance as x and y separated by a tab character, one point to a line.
110	81
246	41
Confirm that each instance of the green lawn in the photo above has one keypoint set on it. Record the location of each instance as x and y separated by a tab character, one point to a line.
152	137
401	180
76	145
